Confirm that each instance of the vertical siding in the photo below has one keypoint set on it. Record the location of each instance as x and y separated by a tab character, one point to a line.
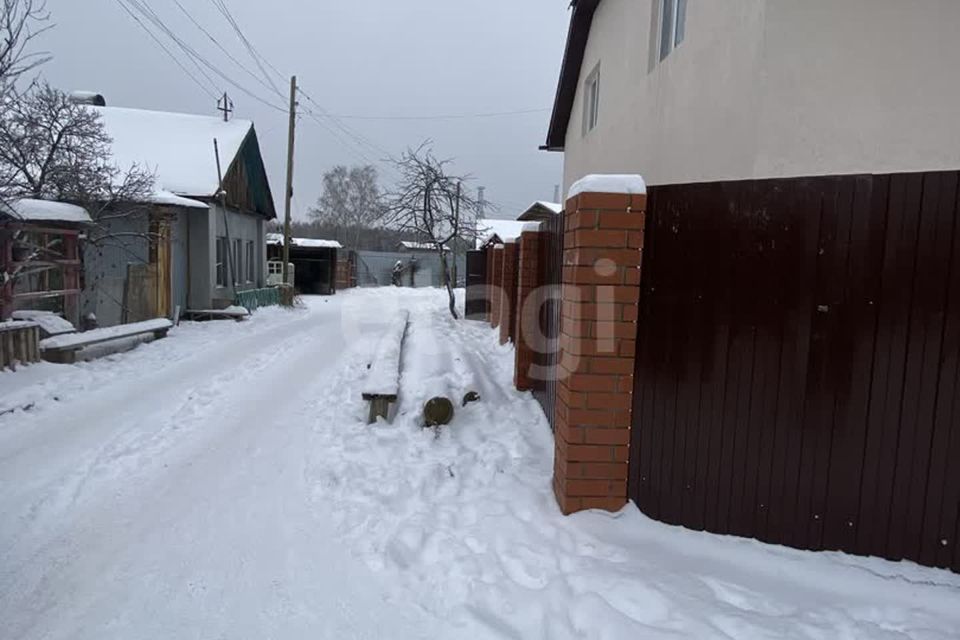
799	363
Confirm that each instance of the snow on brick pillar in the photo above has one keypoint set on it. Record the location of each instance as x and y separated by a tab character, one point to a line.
527	311
508	300
496	289
602	245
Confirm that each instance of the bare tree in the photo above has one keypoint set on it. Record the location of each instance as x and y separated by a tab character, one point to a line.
351	202
434	206
21	22
54	149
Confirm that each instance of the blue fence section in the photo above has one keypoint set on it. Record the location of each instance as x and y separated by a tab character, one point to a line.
256	298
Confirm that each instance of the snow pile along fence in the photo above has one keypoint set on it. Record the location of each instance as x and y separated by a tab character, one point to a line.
383	378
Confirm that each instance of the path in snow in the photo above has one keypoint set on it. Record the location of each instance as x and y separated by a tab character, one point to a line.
164	495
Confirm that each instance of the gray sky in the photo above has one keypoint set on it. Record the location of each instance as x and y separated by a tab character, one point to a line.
369	58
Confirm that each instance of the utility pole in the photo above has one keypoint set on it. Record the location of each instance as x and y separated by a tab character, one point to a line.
225	104
289	192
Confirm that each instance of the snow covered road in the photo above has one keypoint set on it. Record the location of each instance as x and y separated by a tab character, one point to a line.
223	483
164	495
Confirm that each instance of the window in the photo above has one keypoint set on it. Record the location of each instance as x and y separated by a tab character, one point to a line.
251	272
238	264
673	25
221	261
591	101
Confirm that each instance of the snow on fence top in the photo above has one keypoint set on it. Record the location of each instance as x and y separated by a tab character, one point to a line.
178	147
102	335
45	211
383	378
608	183
505	230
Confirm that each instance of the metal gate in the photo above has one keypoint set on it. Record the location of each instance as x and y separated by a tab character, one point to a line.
546	353
477	299
797	363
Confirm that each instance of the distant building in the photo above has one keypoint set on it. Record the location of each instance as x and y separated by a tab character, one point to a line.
540	211
314	263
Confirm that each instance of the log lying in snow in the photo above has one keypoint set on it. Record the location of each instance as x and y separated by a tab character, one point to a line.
383	380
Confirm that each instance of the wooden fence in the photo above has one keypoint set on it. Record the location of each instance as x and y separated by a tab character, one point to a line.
797	363
19	344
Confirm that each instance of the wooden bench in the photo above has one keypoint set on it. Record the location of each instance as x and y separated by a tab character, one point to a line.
63	349
19	343
382	385
230	313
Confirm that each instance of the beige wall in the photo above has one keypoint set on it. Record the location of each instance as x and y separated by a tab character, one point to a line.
764	88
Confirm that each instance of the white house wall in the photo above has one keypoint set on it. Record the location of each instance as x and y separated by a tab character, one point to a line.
771	88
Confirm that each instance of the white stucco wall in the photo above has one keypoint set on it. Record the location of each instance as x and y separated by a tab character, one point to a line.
772	88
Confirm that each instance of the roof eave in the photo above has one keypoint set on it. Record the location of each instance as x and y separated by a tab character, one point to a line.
580	21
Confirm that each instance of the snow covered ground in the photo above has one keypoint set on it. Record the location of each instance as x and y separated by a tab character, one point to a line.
222	484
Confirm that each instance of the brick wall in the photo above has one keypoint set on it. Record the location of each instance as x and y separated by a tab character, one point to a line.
527	310
603	241
508	285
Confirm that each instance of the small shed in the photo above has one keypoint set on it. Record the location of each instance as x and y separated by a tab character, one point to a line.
491	231
314	261
40	262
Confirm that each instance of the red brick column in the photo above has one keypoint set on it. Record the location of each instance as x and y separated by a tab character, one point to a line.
496	297
528	311
603	241
509	297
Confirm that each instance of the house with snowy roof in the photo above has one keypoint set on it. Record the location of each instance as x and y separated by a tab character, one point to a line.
201	240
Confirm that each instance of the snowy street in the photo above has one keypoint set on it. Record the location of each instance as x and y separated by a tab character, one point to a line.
222	483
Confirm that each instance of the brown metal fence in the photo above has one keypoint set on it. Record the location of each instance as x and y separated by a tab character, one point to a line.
797	363
550	267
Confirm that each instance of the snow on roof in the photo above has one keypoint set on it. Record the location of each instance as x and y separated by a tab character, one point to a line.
166	197
505	230
419	246
46	211
178	147
608	183
276	239
552	206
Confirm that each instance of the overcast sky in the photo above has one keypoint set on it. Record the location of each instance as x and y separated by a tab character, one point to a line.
358	58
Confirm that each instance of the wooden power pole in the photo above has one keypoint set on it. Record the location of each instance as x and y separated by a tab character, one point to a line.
288	195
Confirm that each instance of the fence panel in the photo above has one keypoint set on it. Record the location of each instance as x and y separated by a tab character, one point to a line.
798	363
550	268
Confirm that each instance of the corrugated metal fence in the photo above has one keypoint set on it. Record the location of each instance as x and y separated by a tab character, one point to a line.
797	375
375	269
550	267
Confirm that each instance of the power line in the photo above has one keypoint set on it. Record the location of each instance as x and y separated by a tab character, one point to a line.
270	87
257	57
190	75
195	57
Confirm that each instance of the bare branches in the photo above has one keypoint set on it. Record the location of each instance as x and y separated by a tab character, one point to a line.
433	205
54	149
21	22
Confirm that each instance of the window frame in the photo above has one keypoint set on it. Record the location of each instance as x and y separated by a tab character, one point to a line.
237	261
251	275
591	101
221	261
672	28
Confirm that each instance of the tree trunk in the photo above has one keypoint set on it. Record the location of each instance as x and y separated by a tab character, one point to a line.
446	281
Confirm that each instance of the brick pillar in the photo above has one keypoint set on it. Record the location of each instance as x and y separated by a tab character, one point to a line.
509	297
527	312
602	245
496	285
